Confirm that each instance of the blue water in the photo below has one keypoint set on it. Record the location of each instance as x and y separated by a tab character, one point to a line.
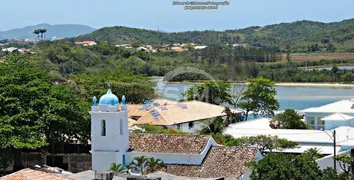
297	98
339	67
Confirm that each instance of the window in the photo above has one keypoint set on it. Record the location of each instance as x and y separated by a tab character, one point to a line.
320	123
178	126
121	127
103	128
311	121
191	125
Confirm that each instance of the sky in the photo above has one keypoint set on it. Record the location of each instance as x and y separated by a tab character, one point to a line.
153	14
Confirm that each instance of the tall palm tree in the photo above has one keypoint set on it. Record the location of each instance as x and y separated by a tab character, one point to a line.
44	31
154	164
41	32
36	31
118	168
139	164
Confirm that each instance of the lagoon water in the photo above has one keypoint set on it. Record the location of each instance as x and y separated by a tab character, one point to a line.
297	98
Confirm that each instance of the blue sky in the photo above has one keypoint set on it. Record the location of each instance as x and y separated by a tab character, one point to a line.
150	14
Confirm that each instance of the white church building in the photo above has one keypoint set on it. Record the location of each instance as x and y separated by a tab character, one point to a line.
184	155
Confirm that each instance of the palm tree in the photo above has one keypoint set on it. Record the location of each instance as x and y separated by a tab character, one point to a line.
41	31
139	164
44	31
154	164
36	31
118	168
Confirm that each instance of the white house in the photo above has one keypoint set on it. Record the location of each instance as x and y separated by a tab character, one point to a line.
184	155
307	139
330	116
200	47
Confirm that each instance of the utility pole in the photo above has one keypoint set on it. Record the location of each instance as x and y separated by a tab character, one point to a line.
334	151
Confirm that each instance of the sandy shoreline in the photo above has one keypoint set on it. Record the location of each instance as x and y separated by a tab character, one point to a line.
315	84
290	84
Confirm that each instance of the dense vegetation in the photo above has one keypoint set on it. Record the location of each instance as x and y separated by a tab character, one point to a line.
39	108
302	36
276	166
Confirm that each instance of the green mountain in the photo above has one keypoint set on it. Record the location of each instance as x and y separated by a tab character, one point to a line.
59	31
299	35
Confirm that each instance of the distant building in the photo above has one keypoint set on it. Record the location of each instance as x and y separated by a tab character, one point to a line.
86	43
330	116
178	49
128	46
307	139
10	49
183	155
142	49
187	116
200	47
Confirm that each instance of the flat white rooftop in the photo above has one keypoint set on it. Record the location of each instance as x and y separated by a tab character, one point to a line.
342	106
344	134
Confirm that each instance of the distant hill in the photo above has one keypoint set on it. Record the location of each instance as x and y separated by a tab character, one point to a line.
59	31
299	35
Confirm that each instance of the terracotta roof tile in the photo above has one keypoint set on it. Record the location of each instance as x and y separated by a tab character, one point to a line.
171	112
168	143
222	161
30	174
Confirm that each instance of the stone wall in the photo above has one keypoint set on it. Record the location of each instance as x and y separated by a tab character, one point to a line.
79	162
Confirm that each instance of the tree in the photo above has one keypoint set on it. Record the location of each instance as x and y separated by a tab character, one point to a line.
213	126
270	143
210	92
259	97
37	33
140	164
36	111
285	166
118	168
43	31
290	119
5	160
346	164
154	165
189	46
137	88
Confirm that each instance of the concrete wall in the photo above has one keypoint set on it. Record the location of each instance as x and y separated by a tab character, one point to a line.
328	161
76	162
79	162
101	161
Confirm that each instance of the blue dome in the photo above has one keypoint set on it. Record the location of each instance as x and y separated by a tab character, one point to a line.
108	97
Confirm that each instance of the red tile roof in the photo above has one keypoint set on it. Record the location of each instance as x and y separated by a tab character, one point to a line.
228	162
30	174
168	143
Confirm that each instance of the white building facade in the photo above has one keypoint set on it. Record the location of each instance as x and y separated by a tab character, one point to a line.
109	132
330	116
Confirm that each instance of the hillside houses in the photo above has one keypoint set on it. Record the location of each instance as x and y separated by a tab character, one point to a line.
86	43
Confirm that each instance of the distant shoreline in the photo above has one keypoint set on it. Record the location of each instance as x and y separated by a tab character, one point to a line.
280	84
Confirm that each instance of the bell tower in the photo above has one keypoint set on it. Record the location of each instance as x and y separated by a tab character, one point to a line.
109	131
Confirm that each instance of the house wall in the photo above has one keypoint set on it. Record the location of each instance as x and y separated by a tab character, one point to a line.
327	161
247	174
328	125
197	126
